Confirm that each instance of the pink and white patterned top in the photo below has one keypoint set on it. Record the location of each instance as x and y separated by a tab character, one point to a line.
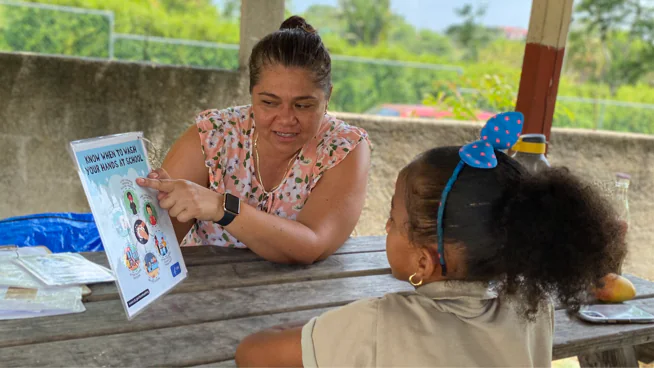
227	140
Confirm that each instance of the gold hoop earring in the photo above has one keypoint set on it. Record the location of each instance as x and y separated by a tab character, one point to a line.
416	284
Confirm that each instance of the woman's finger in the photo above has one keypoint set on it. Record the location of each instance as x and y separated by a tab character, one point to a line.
162	173
176	210
162	185
167	202
184	216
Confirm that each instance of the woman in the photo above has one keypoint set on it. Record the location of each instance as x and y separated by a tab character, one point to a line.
281	176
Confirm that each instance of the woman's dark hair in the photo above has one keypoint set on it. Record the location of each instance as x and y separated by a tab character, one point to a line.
535	236
295	44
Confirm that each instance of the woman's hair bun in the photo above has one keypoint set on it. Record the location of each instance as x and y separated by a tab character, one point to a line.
297	22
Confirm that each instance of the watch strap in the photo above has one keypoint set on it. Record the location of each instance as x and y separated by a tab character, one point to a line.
227	219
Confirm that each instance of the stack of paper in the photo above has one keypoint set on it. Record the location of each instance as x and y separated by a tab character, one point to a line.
34	283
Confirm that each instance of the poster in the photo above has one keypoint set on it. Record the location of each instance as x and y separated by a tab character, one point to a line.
137	234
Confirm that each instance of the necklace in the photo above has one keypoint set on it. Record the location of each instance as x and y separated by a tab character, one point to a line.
258	173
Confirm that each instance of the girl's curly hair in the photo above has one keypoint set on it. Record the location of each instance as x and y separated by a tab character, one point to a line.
535	236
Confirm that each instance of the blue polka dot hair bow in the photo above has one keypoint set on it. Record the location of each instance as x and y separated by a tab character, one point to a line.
501	132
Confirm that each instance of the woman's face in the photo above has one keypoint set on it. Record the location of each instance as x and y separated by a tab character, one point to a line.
288	107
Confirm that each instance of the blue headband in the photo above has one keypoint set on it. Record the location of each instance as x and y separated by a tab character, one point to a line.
500	132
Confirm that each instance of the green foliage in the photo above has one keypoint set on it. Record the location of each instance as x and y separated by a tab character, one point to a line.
186	19
37	30
361	86
491	93
365	21
173	54
612	42
466	96
609	55
470	34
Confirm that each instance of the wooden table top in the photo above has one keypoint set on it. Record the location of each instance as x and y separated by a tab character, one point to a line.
230	293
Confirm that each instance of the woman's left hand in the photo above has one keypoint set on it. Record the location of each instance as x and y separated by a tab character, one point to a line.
184	199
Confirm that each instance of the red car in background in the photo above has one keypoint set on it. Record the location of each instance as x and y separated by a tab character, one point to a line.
419	111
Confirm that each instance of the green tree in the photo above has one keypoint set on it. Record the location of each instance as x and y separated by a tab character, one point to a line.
44	31
60	32
470	34
509	52
423	41
612	41
467	96
231	9
187	19
326	19
366	21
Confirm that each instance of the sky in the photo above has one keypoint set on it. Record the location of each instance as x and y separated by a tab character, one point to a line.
439	14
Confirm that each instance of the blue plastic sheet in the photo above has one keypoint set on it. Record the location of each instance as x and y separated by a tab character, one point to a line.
60	232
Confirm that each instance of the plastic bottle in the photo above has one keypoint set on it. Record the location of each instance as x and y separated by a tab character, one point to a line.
621	202
530	152
622	182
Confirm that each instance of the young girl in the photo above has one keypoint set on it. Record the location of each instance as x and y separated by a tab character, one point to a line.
488	247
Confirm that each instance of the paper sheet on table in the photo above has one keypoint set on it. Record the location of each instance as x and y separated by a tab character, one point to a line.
65	269
11	274
26	303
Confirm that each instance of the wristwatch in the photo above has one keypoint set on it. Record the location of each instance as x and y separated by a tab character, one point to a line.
231	207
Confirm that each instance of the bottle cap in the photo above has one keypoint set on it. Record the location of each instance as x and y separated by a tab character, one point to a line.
531	143
533	138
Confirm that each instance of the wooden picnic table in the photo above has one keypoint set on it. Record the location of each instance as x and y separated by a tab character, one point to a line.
230	293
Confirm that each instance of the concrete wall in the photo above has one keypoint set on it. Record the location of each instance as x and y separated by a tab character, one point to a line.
46	102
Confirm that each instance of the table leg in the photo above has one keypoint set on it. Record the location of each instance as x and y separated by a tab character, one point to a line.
622	357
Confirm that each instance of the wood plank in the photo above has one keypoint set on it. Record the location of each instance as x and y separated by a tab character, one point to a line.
204	343
179	345
645	353
339	266
623	357
644	288
223	276
224	364
174	310
574	337
171	347
205	255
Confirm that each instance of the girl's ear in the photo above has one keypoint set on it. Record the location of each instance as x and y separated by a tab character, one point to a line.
427	264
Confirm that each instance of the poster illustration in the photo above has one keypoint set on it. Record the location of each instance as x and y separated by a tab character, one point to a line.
137	234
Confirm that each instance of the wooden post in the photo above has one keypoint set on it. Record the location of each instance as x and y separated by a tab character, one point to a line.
541	66
258	18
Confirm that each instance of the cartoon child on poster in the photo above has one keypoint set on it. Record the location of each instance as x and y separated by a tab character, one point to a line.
152	216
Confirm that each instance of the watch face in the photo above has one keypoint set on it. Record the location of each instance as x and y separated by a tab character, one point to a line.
232	204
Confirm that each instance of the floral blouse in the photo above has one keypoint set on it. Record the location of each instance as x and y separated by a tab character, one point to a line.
227	141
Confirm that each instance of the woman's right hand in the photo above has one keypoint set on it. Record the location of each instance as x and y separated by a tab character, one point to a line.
184	199
159	173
